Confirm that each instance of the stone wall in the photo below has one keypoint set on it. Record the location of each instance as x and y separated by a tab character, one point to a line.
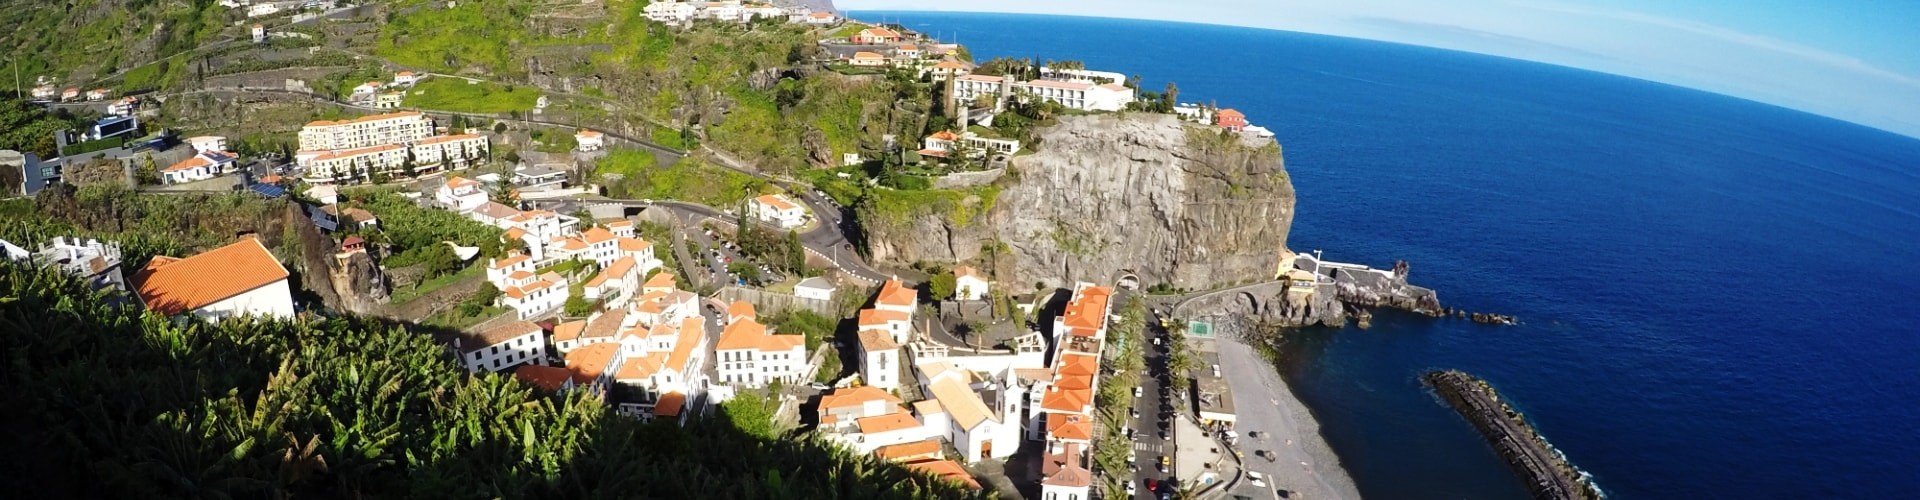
766	302
964	180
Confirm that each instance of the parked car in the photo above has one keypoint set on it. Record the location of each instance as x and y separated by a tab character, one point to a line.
1137	392
1131	490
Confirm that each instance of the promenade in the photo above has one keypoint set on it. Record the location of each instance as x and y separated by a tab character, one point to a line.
1306	467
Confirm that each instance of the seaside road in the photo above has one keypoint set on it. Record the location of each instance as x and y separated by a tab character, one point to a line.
1306	464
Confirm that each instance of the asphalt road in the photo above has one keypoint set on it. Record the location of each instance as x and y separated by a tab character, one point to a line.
1155	407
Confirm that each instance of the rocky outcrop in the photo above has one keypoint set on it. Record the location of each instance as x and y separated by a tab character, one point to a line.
1113	195
362	287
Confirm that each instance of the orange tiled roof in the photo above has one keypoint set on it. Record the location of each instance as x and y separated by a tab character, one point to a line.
1089	310
458	181
1067	400
1073	363
510	261
597	235
349	153
896	421
569	331
1067	468
590	362
692	330
743	334
871	317
968	271
775	201
894	293
928	448
944	135
632	245
1065	426
670	404
946	469
1230	114
550	378
740	308
960	402
587	133
855	396
173	286
661	279
867	55
877	341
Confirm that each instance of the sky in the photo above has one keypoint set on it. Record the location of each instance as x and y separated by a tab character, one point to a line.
1855	60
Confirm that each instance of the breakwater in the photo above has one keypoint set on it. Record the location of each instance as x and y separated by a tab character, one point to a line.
1545	471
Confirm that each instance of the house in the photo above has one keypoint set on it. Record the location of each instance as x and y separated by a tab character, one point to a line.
1230	119
97	94
531	296
954	472
669	12
1065	472
263	9
1082	96
875	36
665	363
240	279
839	408
816	288
353	244
950	68
388	100
778	210
907	51
867	59
593	366
355	217
259	33
895	296
449	151
460	194
895	324
502	347
621	228
325	195
973	426
928	449
548	378
752	11
401	78
969	284
751	357
123	107
95	261
588	140
113	126
539	179
941	144
69	94
615	283
44	92
820	18
201	166
205	143
879	359
1082	75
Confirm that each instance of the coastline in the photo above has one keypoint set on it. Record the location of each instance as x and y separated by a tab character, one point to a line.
1285	427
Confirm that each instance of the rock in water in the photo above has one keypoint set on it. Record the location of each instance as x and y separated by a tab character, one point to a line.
1173	203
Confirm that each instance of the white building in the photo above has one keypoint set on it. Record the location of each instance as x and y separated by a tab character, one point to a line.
895	324
502	347
879	360
240	279
816	288
460	194
97	94
531	296
365	131
207	143
403	78
259	33
1082	76
969	284
748	356
820	18
840	408
325	195
263	9
97	262
778	210
669	12
867	59
515	266
588	140
940	144
201	166
980	431
1075	95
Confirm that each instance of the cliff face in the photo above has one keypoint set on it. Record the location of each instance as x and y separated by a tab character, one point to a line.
1111	195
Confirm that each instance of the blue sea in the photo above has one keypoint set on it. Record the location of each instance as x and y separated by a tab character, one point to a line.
1721	298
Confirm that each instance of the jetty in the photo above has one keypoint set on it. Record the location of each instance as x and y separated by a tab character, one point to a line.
1547	473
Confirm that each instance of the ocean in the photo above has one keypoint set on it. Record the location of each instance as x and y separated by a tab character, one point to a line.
1720	298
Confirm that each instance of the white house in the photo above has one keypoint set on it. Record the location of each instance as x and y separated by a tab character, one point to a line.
615	284
907	51
979	431
1082	76
867	59
205	143
895	324
402	78
201	166
507	271
879	359
502	347
460	194
941	144
820	18
259	33
239	279
750	357
97	95
969	284
1072	94
669	12
531	296
817	288
263	9
839	408
1064	472
325	195
588	140
778	210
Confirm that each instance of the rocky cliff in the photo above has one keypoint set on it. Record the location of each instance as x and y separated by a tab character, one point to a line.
1111	195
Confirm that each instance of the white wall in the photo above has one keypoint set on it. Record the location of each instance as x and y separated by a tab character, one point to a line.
513	352
272	300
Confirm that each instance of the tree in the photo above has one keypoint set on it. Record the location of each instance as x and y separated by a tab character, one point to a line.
499	127
1171	97
578	306
486	294
409	166
941	286
439	259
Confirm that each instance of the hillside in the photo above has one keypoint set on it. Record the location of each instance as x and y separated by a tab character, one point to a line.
75	42
123	404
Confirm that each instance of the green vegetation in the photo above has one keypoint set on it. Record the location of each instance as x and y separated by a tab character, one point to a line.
845	191
681	139
691	179
125	404
555	140
779	249
454	94
414	232
894	206
817	328
1125	339
26	128
942	285
829	367
148	225
627	163
405	294
90	40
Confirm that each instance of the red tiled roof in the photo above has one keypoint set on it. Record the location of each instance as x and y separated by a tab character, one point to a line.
894	293
896	421
946	469
874	317
590	362
918	449
855	396
550	378
1066	426
670	404
777	202
172	286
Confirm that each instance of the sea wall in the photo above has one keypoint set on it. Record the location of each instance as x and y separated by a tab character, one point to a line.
1546	472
